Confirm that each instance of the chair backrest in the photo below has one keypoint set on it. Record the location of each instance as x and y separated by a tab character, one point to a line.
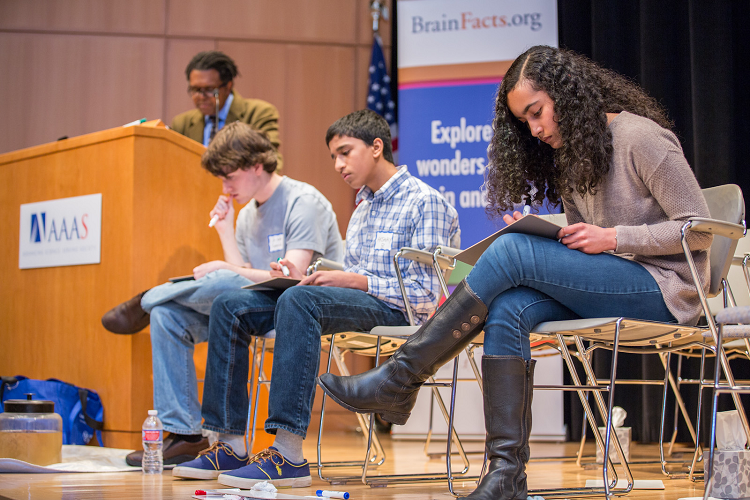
725	203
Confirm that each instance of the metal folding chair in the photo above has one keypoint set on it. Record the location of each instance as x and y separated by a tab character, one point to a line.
727	224
734	347
384	340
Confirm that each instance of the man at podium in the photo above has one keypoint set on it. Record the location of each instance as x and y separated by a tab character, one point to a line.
210	78
283	219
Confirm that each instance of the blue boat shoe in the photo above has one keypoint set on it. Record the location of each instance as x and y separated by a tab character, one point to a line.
269	465
218	458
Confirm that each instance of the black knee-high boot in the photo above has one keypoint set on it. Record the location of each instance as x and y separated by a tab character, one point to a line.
391	389
508	386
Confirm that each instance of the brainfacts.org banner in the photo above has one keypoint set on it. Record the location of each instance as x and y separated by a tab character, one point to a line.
452	56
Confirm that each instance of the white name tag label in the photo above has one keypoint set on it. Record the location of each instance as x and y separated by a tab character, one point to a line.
275	242
383	241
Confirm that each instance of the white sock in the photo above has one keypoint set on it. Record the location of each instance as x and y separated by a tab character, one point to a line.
236	442
212	436
289	445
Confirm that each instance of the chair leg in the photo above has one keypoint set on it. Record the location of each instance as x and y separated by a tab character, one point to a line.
261	380
676	410
579	455
583	393
606	412
252	411
338	357
373	441
722	357
701	385
428	439
670	382
453	438
667	372
609	430
452	434
708	469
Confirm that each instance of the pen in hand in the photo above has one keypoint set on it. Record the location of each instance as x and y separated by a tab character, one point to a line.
284	269
527	207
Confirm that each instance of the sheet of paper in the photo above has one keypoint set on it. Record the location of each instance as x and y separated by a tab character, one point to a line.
638	484
273	284
530	224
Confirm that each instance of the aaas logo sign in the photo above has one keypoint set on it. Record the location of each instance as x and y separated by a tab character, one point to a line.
64	232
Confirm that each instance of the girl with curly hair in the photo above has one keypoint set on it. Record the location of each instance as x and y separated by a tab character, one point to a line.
565	129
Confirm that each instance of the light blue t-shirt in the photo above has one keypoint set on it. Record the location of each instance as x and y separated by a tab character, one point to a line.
296	216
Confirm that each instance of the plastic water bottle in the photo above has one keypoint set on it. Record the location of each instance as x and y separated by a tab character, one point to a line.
153	433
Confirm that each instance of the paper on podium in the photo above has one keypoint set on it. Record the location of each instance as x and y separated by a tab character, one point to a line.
530	224
273	284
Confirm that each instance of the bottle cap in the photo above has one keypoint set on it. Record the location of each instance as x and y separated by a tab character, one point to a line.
28	405
153	412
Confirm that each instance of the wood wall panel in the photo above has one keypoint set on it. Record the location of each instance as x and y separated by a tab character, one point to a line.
363	76
57	85
101	16
317	99
263	73
330	21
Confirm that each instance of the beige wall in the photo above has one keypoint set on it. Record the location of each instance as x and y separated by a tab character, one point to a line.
71	67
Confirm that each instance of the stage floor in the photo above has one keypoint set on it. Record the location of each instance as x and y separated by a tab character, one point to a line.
403	456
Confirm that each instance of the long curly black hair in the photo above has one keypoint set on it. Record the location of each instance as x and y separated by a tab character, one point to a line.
583	93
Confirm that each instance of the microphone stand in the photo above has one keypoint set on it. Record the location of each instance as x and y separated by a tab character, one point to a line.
216	115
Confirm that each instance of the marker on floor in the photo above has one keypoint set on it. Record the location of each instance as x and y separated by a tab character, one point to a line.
332	494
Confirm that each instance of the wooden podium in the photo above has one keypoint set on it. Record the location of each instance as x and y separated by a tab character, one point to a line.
155	204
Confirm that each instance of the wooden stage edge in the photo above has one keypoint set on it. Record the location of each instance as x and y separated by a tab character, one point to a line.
403	456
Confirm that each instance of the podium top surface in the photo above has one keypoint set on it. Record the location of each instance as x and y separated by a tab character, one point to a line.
103	136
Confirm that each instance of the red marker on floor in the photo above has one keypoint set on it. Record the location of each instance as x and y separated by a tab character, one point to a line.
211	492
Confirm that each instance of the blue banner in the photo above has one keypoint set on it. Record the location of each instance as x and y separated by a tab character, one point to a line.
444	134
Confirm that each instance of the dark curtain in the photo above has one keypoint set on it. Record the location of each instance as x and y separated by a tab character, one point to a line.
691	56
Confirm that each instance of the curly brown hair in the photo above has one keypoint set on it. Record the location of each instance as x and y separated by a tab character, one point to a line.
583	93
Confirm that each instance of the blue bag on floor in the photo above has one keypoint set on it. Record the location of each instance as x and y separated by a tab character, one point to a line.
81	409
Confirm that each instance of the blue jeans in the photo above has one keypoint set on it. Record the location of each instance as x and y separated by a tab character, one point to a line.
526	280
179	320
302	315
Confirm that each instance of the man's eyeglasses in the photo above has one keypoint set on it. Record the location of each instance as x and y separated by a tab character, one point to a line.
205	91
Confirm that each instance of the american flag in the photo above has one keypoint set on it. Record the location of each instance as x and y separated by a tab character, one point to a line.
379	92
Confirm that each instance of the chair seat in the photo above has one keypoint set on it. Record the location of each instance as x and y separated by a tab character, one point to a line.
633	332
365	343
732	332
402	332
734	315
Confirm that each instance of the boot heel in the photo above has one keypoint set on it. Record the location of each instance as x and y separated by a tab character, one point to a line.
395	418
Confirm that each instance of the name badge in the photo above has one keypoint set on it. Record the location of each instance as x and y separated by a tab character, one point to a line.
383	241
275	242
